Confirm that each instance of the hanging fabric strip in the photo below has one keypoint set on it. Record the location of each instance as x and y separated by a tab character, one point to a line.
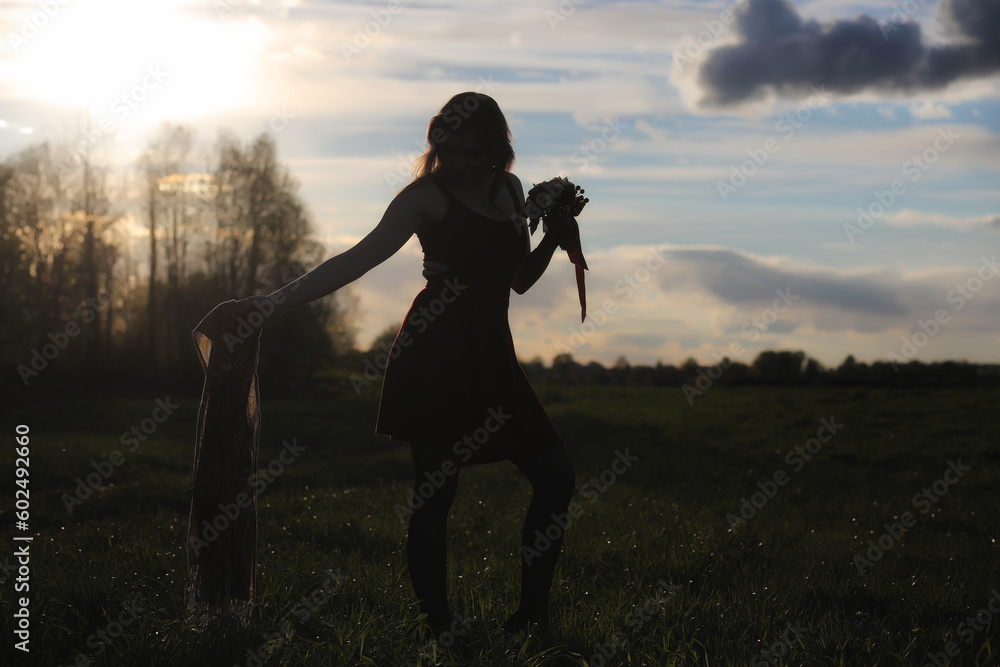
222	528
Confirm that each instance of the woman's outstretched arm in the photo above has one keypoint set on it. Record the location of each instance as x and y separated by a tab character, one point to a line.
404	215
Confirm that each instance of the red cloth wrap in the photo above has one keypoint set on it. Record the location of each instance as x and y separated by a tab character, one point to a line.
569	235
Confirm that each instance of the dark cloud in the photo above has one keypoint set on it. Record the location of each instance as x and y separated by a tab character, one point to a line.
780	51
739	280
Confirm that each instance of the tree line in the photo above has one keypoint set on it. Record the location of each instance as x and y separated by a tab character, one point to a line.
775	367
782	367
106	274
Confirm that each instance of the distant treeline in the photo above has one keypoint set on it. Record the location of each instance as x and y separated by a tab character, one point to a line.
779	367
770	367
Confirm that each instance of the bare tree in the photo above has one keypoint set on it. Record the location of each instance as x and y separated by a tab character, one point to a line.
164	182
61	250
91	210
60	222
263	241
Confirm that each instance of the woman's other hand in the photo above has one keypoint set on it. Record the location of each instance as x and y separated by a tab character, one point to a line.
255	310
562	231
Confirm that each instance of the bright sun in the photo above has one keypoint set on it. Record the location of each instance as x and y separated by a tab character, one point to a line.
142	62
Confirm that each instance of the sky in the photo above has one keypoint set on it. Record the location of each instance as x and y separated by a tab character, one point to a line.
763	174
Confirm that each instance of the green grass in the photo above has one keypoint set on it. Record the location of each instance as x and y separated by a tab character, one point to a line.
662	523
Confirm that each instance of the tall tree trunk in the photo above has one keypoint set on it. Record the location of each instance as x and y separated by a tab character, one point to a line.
91	352
109	308
151	302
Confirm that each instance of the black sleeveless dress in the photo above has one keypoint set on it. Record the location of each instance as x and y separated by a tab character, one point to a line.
452	379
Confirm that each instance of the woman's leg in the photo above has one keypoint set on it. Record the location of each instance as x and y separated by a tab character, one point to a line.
426	542
553	481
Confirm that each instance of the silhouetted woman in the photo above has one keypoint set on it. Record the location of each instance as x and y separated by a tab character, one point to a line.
453	387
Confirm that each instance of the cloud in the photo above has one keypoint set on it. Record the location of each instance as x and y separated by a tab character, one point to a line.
739	280
929	110
779	51
911	218
702	299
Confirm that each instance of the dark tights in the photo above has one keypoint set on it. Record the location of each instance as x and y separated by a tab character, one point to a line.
553	482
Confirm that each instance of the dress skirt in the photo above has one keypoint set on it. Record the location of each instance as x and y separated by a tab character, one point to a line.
452	379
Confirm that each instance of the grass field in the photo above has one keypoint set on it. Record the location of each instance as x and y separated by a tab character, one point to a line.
651	573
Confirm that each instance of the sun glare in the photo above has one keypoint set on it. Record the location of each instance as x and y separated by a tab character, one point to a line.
143	62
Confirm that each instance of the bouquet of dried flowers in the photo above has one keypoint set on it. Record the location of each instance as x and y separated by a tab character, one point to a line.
557	202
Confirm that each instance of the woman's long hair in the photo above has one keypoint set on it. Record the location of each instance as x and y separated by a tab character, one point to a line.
474	112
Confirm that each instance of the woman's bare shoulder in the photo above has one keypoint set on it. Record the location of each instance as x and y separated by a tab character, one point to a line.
516	182
428	197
